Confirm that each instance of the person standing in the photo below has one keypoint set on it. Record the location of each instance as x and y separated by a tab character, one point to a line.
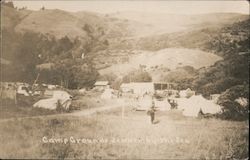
151	112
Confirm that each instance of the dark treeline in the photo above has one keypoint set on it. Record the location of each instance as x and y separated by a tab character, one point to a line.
26	51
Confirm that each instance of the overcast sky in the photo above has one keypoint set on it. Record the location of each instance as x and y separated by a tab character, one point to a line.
105	6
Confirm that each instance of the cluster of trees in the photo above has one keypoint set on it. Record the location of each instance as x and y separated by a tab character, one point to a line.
137	76
96	39
11	5
70	74
26	51
232	108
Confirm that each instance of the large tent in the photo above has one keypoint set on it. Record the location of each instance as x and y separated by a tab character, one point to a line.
61	97
195	104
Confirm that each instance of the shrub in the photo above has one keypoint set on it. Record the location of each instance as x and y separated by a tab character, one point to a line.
232	109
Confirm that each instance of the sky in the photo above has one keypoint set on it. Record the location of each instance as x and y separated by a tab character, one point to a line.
156	6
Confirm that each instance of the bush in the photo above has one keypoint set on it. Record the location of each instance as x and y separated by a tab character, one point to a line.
232	109
137	76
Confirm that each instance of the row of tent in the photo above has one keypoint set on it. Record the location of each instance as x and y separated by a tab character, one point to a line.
190	107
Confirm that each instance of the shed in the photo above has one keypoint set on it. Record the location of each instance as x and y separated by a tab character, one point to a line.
139	88
101	85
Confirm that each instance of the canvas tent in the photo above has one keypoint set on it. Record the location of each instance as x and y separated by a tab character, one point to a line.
192	106
186	93
144	103
61	97
181	103
242	101
162	105
107	94
139	88
126	87
214	97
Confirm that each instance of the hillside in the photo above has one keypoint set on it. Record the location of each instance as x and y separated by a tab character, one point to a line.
12	17
161	23
61	23
170	58
206	38
54	22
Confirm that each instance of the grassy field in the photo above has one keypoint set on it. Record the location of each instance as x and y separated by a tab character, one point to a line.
8	109
108	135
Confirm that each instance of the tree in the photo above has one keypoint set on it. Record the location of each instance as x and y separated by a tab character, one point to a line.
232	109
137	76
9	4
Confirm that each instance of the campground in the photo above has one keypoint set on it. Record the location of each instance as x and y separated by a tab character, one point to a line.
113	134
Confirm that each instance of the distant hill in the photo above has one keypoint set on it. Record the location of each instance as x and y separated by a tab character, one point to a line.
170	58
205	38
61	23
161	23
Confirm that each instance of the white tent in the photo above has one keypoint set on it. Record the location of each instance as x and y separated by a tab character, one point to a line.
139	88
186	93
181	103
162	105
61	97
242	101
195	104
145	103
83	90
107	94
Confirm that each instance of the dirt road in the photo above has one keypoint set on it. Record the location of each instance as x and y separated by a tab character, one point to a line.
117	103
114	103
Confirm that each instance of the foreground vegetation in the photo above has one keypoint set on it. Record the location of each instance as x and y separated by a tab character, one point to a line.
175	137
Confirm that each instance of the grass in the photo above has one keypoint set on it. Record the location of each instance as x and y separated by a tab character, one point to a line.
10	110
198	138
23	108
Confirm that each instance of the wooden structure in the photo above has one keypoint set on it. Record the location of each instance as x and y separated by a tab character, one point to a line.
164	85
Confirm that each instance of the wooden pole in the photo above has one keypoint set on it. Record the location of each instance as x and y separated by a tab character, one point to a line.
122	111
36	80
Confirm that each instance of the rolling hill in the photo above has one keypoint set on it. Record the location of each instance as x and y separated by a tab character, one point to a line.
156	62
161	23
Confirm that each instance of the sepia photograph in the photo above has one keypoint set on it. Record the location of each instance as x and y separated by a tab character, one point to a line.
124	79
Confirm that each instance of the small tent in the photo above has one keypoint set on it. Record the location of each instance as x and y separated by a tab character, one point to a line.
162	105
141	88
181	103
242	101
145	103
107	94
186	93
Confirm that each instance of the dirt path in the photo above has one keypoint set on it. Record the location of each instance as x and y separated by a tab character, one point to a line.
117	103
